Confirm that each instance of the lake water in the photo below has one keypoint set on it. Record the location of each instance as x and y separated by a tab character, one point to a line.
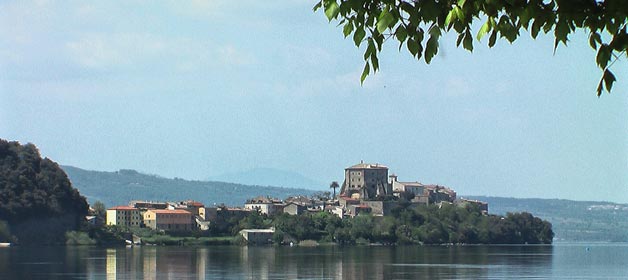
562	261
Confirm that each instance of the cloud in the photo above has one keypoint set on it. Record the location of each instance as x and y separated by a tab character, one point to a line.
230	55
145	50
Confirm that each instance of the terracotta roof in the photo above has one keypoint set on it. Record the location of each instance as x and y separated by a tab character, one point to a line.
167	211
412	184
262	200
195	203
122	207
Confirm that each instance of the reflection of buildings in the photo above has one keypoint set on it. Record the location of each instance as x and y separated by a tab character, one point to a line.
111	266
149	263
334	262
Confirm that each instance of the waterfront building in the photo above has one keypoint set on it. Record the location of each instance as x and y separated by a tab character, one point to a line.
168	220
258	236
125	216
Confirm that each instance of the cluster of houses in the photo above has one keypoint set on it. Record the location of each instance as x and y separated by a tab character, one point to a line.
367	188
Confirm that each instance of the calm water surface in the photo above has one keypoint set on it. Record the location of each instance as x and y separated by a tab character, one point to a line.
563	261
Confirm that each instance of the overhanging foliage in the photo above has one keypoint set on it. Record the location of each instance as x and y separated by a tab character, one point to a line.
419	24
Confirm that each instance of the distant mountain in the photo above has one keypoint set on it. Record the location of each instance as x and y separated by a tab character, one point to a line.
120	187
271	177
571	220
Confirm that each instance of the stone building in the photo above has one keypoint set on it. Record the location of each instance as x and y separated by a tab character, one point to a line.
293	208
264	205
258	236
365	181
419	191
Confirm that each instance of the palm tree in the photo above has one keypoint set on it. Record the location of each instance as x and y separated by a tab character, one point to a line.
334	185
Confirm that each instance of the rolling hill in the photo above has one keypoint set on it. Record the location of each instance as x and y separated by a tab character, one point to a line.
572	220
120	187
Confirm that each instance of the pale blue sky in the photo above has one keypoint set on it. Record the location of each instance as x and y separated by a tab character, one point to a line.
201	88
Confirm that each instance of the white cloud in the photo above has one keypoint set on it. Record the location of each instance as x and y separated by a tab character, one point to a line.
142	50
230	55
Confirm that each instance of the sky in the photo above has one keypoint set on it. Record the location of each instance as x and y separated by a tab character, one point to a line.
195	89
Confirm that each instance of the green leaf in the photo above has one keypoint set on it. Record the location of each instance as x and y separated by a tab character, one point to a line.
561	31
384	20
375	62
401	33
548	26
467	42
492	39
331	11
370	49
525	16
435	31
594	39
461	3
609	79
317	6
431	49
365	73
599	87
459	40
413	47
347	29
358	35
536	27
459	13
451	16
603	56
486	27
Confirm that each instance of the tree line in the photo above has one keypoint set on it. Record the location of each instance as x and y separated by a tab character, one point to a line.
448	224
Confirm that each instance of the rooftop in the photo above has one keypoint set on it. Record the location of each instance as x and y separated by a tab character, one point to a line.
363	165
417	184
123	207
268	230
167	211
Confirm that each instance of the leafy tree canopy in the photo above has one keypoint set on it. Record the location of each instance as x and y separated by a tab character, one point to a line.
36	198
419	24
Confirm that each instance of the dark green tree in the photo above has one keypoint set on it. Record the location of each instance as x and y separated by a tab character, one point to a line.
36	198
99	209
334	185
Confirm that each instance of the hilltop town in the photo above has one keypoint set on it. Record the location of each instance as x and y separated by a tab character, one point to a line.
366	189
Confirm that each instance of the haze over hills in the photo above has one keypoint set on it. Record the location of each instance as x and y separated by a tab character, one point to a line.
571	220
270	177
120	187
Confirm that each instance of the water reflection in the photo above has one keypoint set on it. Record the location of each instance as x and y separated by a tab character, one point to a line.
231	262
325	262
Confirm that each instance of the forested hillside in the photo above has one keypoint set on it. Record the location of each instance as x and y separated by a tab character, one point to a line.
119	187
37	201
571	220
